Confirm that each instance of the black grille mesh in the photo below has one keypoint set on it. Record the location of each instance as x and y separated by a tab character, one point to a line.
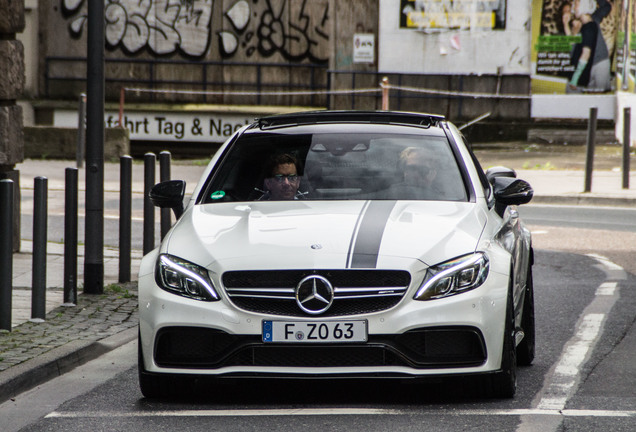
340	307
338	278
423	348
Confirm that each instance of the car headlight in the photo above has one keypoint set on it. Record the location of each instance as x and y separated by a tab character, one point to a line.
454	277
184	278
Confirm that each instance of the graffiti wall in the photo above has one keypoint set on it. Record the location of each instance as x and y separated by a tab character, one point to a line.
295	30
163	43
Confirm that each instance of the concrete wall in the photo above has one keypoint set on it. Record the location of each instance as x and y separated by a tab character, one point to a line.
11	87
45	142
283	45
149	39
454	62
30	40
468	51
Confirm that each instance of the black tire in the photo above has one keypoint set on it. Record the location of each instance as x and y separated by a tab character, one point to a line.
526	349
503	384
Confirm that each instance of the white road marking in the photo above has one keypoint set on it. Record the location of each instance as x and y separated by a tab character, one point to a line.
562	382
605	262
339	411
606	289
568	368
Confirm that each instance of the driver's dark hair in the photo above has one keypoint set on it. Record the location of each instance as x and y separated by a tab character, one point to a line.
280	159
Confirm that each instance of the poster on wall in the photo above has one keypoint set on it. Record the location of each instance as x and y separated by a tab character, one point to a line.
574	46
439	15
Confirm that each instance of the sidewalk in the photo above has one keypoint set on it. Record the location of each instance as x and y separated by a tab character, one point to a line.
35	352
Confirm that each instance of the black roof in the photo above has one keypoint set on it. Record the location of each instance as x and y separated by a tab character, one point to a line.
378	117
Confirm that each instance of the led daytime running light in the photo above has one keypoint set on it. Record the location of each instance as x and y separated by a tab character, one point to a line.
185	272
479	264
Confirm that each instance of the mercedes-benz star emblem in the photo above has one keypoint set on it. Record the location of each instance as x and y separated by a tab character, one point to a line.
314	294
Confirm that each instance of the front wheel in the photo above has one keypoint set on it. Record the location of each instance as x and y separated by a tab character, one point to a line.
525	350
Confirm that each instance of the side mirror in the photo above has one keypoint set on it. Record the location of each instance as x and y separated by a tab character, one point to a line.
499	171
169	194
510	191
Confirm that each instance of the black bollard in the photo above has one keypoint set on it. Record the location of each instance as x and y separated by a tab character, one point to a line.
38	281
149	209
627	118
70	237
164	175
589	153
125	217
81	132
6	252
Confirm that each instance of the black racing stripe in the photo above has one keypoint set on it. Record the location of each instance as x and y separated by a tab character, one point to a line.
354	235
367	245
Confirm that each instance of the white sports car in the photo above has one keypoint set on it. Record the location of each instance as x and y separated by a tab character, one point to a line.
341	243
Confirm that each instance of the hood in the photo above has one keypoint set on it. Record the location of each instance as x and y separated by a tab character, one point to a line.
325	234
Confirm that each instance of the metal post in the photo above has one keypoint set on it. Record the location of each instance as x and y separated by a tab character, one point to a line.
81	131
125	217
385	93
149	209
70	237
38	292
164	175
627	118
122	101
6	252
329	89
94	232
589	153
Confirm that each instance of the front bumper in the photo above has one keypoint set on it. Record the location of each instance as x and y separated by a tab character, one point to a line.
461	334
426	348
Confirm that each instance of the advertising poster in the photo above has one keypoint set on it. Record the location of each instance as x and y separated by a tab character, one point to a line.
574	46
440	15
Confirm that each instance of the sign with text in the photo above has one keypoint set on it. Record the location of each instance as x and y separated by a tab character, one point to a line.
364	48
167	126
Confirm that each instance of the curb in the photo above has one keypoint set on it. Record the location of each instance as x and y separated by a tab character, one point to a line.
584	200
58	361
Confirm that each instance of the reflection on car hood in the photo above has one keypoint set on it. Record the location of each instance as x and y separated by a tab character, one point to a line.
326	234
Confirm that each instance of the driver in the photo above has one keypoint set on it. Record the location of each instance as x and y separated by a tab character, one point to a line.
282	179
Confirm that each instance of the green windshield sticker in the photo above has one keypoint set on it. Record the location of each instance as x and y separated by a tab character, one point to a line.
217	195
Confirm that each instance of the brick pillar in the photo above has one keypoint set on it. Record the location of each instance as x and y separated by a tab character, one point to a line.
11	86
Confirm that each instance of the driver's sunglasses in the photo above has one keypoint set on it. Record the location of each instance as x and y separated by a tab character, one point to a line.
281	178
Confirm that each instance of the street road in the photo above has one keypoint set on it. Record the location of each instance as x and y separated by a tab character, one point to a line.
600	218
582	378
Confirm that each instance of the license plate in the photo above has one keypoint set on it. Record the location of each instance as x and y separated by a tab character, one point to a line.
315	331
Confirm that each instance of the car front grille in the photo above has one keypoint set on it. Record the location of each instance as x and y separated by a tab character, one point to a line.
428	348
355	291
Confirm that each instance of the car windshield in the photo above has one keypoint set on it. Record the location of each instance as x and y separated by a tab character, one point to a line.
337	167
